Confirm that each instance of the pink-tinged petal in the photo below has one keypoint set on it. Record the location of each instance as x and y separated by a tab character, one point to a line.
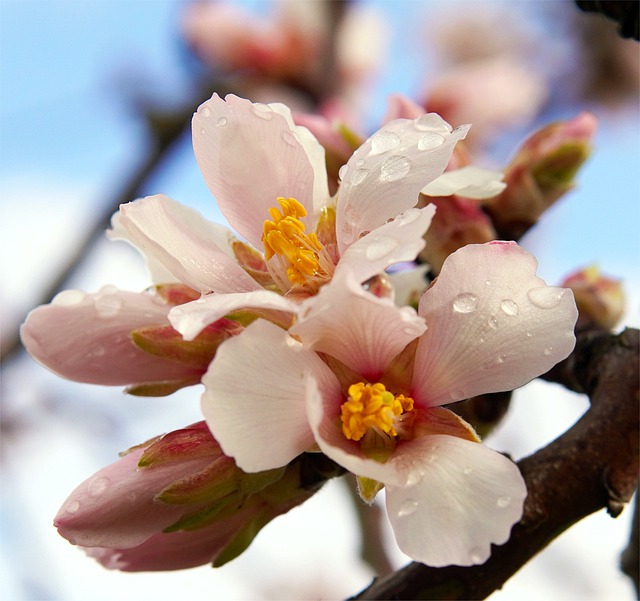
249	156
401	107
396	241
254	398
186	243
361	330
173	550
467	498
191	318
87	338
116	506
385	175
324	400
492	325
470	182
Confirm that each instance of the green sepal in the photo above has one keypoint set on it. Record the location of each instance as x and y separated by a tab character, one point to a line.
368	488
557	170
241	541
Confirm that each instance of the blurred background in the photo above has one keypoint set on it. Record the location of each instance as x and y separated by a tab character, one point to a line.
96	96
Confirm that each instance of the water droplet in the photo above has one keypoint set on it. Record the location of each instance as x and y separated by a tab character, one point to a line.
407	508
546	297
203	131
67	298
548	350
97	351
380	247
359	162
431	122
73	507
383	141
206	112
98	485
465	303
409	216
467	471
430	141
501	358
493	323
359	176
488	282
482	339
342	171
394	168
414	477
503	502
289	137
222	122
509	307
529	334
264	111
476	556
107	305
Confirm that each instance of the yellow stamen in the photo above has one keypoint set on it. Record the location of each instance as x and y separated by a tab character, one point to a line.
372	407
285	236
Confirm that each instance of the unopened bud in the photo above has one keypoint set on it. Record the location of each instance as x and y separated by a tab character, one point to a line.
542	171
600	299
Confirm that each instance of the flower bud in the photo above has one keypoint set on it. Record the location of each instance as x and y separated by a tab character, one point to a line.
600	299
542	171
178	501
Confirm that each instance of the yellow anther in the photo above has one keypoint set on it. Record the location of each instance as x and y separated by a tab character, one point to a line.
285	236
372	406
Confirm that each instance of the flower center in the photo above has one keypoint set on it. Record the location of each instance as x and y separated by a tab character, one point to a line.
373	415
285	237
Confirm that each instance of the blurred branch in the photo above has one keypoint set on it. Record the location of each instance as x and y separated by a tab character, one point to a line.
623	12
593	465
630	560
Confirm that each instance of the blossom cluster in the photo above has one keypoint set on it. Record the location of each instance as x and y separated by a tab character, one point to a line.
304	346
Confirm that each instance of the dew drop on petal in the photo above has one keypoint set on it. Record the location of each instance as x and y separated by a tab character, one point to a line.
546	297
488	282
107	305
98	485
73	507
342	171
509	307
360	162
430	141
548	350
206	112
222	122
394	168
431	122
501	358
380	247
529	334
465	303
503	502
263	111
289	137
476	556
467	471
359	176
409	216
68	298
493	323
383	141
407	508
203	131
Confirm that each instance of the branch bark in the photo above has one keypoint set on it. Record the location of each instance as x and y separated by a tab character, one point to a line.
593	465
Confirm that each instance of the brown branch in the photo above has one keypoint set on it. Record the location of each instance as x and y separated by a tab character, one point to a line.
593	465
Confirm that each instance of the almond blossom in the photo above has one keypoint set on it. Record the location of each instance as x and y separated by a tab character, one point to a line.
269	179
365	382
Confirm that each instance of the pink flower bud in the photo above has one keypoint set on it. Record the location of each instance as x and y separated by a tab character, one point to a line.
600	299
542	171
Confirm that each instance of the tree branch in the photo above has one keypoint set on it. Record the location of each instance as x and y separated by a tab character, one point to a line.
593	465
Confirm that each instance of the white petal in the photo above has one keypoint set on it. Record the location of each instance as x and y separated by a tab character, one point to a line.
361	330
396	241
492	325
185	243
87	338
385	175
249	156
470	182
467	498
254	398
409	285
191	318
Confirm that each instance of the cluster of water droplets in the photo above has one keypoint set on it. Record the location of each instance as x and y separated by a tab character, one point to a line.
96	488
